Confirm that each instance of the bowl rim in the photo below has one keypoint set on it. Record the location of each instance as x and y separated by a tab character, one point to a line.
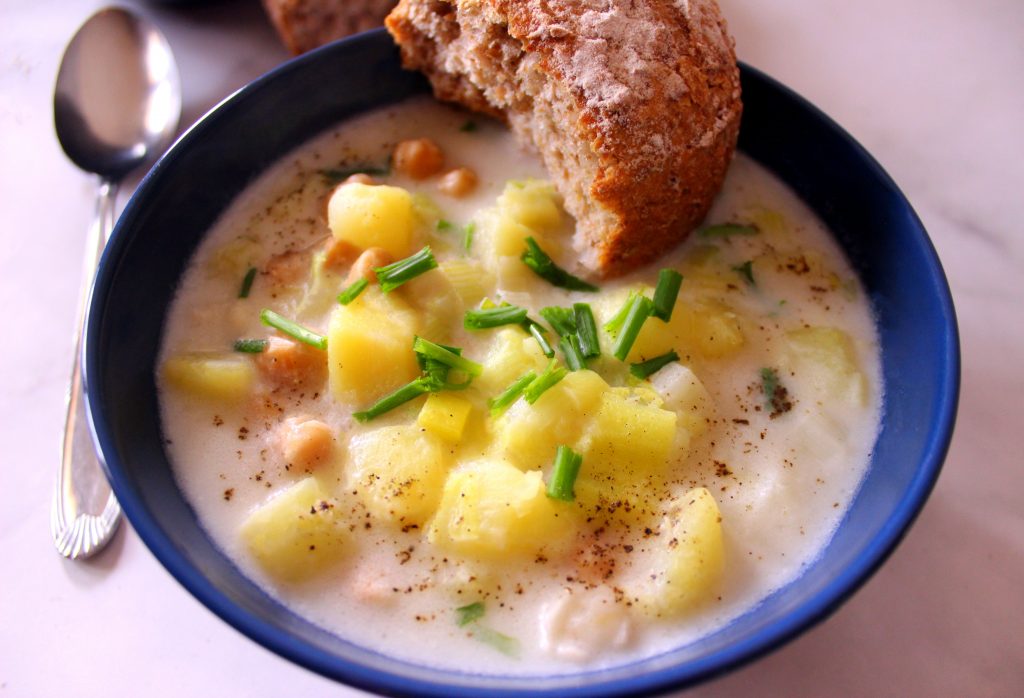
808	613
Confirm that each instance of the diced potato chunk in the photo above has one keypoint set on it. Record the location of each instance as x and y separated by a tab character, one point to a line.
709	329
373	216
296	533
398	472
532	203
369	347
528	435
512	354
825	359
684	394
490	509
630	439
220	377
444	415
686	566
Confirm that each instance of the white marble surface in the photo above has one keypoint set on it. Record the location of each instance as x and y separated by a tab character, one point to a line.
933	88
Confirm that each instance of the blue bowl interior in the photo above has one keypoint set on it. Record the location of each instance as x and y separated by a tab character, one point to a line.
185	193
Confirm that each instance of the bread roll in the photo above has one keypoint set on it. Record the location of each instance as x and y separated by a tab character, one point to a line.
634	105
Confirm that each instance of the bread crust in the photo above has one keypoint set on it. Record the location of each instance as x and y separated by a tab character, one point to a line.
634	104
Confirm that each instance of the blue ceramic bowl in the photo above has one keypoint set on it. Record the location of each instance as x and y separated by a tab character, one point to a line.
187	190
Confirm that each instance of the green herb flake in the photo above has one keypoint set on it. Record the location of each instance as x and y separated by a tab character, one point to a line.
250	276
510	394
666	292
443	225
776	397
467	236
394	275
562	320
467	614
251	346
409	391
563	474
543	266
509	646
586	331
535	329
352	292
639	310
646	369
574	358
446	355
746	270
613	325
727	230
551	375
487	318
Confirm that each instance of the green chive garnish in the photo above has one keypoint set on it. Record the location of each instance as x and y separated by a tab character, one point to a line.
669	281
509	646
613	326
467	235
726	230
467	614
251	346
444	225
394	275
640	309
250	276
293	329
571	350
500	403
446	356
648	368
535	328
409	391
563	474
746	270
552	374
544	267
352	292
586	330
486	318
562	320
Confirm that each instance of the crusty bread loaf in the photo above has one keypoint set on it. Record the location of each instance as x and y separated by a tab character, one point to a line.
306	24
634	105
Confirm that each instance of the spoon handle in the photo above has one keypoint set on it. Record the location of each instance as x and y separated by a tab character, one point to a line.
85	512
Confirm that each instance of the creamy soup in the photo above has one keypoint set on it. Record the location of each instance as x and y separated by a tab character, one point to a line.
501	510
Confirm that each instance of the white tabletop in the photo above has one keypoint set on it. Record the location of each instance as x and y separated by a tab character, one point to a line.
933	88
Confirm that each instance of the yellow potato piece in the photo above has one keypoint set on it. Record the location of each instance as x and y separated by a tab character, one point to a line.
373	216
532	203
398	472
512	353
296	533
444	415
219	377
825	359
369	347
685	568
490	509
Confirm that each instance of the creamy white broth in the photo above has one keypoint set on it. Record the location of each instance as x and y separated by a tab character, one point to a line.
781	483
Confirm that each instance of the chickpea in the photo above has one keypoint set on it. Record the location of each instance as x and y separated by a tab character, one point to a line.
339	253
458	182
363	267
419	158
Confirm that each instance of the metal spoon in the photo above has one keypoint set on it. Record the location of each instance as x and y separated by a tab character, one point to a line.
116	104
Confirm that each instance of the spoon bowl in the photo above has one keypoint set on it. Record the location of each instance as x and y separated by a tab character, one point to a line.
116	104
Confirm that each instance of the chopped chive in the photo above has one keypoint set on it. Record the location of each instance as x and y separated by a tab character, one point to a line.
537	330
571	350
394	275
338	175
352	292
250	276
544	267
468	127
669	281
746	270
586	330
510	394
562	320
648	368
551	375
429	350
613	326
409	391
509	646
467	235
769	384
487	318
444	225
726	230
251	346
470	613
293	329
563	474
639	311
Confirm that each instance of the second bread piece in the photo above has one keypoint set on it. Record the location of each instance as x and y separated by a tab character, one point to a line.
634	105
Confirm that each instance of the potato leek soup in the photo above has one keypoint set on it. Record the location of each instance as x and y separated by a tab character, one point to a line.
395	400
